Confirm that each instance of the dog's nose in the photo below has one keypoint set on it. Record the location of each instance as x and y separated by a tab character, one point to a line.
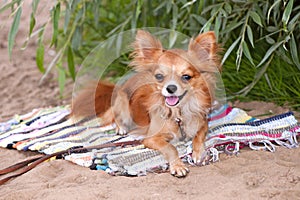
171	89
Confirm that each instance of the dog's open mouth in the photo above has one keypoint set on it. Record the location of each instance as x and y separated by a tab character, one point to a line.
174	100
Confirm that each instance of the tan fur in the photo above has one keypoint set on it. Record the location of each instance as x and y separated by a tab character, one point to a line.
95	99
146	104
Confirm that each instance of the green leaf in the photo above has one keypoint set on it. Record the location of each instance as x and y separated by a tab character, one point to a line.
169	5
218	22
188	4
96	13
14	30
136	13
40	52
230	49
287	12
9	5
119	43
228	8
250	35
201	20
294	21
76	38
268	81
120	26
160	6
71	64
294	51
256	18
239	54
257	77
34	5
211	7
79	15
172	39
55	21
174	16
270	9
270	51
206	27
67	17
247	52
233	25
272	29
223	12
270	40
31	23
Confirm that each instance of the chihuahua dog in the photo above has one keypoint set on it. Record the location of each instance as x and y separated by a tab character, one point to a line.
166	99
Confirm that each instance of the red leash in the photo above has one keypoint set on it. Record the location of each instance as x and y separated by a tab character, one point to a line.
32	162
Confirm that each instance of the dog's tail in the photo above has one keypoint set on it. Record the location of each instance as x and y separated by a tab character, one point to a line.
93	100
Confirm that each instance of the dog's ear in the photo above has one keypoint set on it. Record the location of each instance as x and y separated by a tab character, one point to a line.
205	47
147	50
207	42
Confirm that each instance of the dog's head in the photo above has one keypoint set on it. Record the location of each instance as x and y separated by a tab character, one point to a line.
180	76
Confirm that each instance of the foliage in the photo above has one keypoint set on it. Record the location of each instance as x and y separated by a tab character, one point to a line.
278	83
256	35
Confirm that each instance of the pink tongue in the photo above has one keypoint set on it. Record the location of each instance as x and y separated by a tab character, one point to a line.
172	101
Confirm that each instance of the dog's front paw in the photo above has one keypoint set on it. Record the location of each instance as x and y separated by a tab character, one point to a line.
199	157
121	131
178	169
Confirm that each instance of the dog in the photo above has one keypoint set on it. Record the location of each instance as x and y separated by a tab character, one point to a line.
167	98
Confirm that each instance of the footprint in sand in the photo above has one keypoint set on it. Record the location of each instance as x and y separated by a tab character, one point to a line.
284	159
253	180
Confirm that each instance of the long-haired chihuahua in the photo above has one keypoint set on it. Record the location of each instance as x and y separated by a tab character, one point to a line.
167	99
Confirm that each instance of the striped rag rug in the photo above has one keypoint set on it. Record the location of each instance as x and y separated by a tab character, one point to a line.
50	130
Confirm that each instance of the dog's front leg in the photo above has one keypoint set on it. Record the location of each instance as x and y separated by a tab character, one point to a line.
161	143
198	143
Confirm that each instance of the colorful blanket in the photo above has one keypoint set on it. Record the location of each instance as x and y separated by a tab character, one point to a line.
49	130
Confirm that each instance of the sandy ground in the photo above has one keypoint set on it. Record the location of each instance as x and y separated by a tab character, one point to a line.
250	175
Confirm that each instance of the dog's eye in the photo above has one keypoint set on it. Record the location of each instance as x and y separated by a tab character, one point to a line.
159	77
186	77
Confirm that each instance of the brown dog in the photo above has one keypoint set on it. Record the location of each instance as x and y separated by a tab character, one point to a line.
168	98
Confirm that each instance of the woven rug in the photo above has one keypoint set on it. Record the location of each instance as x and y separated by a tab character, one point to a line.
49	130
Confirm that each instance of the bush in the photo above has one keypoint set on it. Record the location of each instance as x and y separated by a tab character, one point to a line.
261	56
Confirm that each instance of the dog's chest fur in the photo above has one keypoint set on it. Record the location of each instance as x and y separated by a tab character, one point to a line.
185	122
190	124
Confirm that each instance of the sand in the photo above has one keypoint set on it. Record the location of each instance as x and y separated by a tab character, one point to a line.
250	175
